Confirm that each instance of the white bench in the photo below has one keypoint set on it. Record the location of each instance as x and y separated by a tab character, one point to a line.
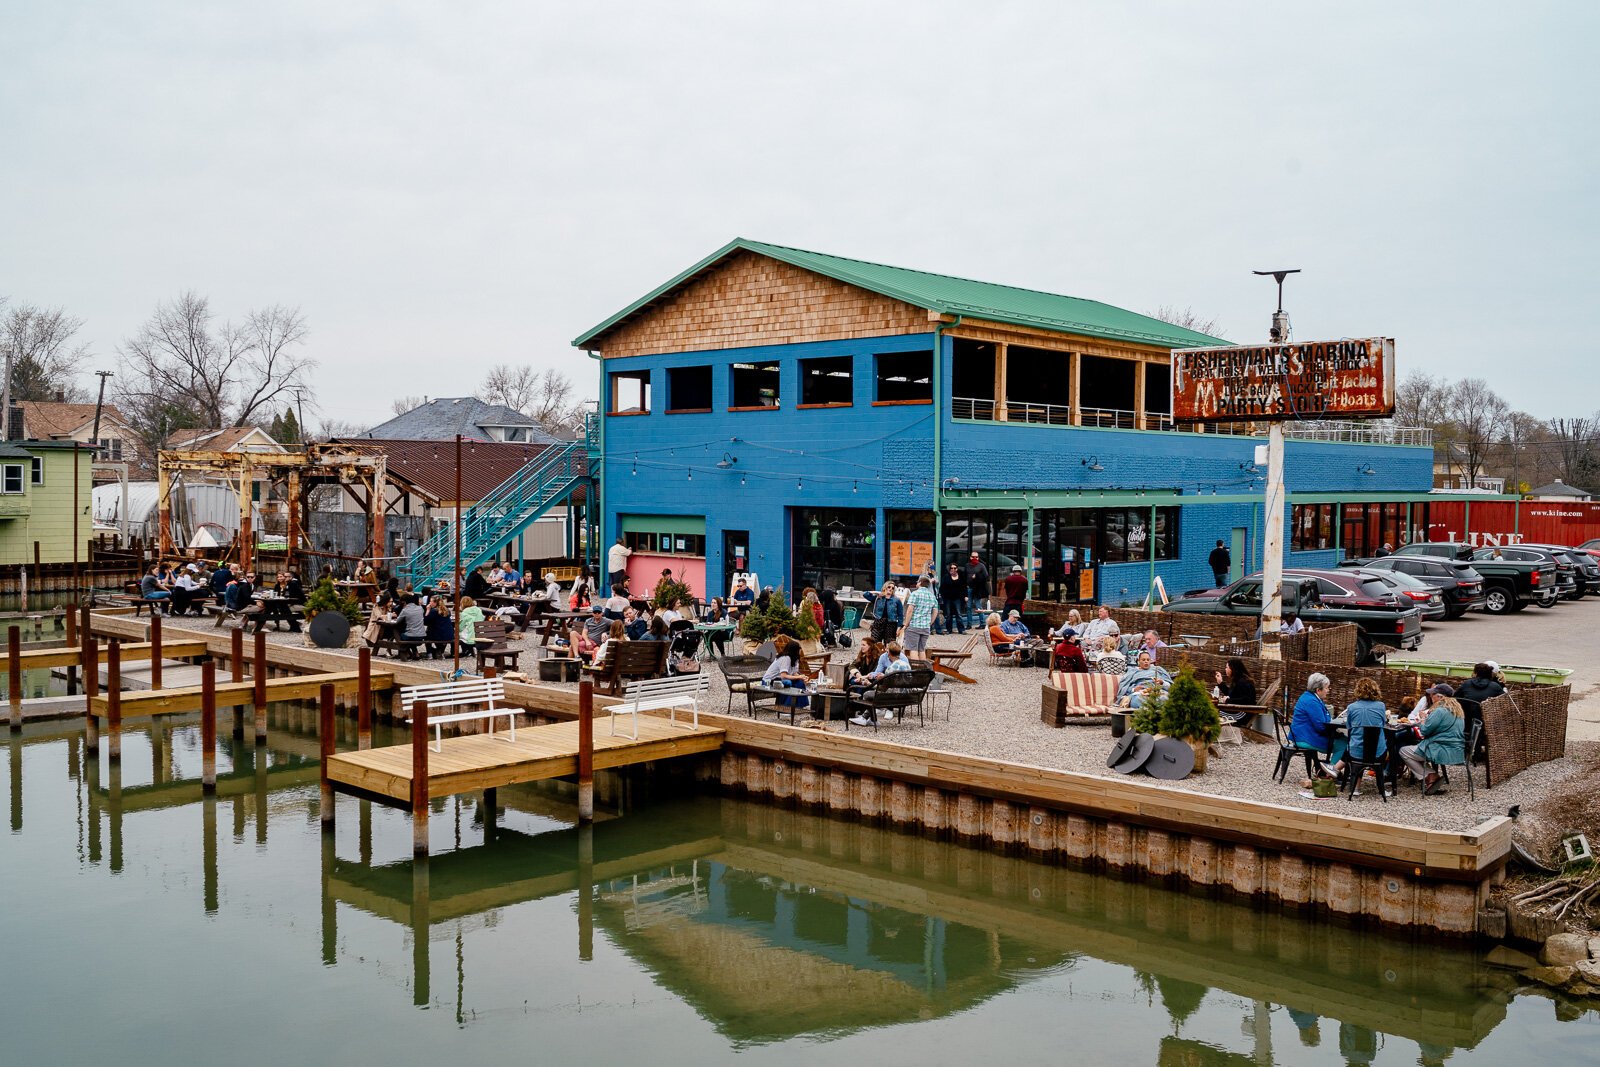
654	694
467	692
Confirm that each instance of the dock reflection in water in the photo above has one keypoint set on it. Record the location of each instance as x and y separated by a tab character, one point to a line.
771	925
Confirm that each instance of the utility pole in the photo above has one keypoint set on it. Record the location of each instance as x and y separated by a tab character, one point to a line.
1272	546
99	403
300	414
5	398
456	588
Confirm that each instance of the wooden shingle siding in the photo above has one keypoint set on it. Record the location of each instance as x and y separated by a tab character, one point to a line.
752	300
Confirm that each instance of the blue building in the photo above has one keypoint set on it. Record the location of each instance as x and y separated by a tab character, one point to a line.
820	421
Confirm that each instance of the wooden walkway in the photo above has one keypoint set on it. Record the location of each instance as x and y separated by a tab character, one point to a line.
234	694
477	762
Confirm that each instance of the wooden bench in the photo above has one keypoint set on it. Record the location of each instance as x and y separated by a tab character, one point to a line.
655	694
949	662
138	602
398	647
222	613
628	660
469	691
497	653
1077	696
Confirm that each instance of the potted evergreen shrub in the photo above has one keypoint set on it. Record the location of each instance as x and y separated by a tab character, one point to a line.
1188	714
669	590
324	597
758	626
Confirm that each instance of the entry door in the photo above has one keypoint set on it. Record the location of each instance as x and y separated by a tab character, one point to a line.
735	556
1237	549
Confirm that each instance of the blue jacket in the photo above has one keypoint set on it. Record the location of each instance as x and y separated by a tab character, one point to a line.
1443	739
1310	726
1361	716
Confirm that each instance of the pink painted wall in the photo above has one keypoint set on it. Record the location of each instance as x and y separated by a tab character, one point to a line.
644	571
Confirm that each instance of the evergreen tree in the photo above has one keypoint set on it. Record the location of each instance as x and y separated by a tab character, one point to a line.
289	429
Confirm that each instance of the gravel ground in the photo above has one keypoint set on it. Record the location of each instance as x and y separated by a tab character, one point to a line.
998	717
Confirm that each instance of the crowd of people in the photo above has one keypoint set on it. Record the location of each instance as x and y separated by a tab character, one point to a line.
186	588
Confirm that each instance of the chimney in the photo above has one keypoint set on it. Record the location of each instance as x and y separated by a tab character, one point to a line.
61	396
1558	481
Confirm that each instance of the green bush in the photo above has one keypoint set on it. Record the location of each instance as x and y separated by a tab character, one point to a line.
1146	718
778	619
668	591
1188	713
326	598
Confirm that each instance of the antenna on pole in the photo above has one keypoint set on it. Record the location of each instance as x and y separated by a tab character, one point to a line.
1280	319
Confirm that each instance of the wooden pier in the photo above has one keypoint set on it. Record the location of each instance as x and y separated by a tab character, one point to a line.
477	762
232	694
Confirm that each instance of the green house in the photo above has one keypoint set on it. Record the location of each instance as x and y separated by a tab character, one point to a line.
39	497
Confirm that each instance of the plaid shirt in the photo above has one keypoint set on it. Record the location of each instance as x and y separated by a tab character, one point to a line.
923	605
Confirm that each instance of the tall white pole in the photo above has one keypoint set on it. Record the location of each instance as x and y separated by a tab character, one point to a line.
1272	548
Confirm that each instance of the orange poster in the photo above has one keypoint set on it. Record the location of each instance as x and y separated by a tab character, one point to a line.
1086	584
921	556
900	557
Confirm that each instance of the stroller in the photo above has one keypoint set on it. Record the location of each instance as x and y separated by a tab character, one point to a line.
684	644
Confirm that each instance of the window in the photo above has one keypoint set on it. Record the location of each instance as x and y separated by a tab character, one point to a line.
37	477
1312	527
754	385
1126	535
688	389
905	377
826	382
972	380
834	548
630	392
666	544
11	478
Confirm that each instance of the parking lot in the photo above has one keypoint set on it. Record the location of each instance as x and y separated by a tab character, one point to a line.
1567	635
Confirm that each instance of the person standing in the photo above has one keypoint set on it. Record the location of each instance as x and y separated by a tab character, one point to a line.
952	600
921	609
1221	561
617	562
1016	588
977	583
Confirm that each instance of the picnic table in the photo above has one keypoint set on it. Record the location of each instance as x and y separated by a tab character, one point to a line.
362	591
552	622
276	609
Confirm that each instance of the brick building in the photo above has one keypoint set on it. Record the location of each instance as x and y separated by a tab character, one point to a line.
821	420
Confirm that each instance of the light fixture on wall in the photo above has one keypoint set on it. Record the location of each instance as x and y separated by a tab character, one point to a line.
1093	463
727	461
1365	468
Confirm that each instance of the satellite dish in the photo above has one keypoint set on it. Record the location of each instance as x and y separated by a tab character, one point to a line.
330	629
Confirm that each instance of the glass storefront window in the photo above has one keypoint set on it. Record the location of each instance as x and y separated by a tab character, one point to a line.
834	548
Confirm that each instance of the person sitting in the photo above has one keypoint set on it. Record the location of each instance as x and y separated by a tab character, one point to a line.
497	575
476	585
672	613
511	579
781	673
187	591
615	632
413	621
1069	655
439	626
390	595
467	625
1002	643
580	643
890	661
1109	660
597	625
381	616
616	603
742	593
1291	624
1013	626
634	625
1150	642
861	668
221	578
1443	739
1235	687
240	595
1074	624
290	587
153	590
1141	681
1094	633
1366	712
1312	728
552	588
658	630
1471	694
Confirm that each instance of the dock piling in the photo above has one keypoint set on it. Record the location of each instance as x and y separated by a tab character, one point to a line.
364	700
236	659
155	650
586	750
91	689
258	671
326	738
208	725
14	674
419	778
70	620
114	701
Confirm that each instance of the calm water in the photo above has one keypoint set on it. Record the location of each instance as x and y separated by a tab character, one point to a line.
143	924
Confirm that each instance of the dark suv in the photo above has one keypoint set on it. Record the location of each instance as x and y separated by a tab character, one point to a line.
1457	582
1585	568
1566	584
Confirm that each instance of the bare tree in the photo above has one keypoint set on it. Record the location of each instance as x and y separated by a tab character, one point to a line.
1188	318
1419	400
544	396
402	404
328	429
181	371
1477	418
1577	448
45	362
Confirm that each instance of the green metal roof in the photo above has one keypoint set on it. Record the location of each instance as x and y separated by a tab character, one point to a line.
947	295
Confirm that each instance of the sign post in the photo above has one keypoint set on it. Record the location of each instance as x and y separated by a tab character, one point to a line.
1278	383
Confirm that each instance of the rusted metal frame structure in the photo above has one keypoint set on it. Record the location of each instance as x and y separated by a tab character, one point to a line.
318	465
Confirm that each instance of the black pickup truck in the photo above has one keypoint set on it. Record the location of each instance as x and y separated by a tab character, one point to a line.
1383	618
1508	584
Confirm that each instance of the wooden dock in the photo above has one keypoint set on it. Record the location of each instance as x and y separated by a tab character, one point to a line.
481	761
232	694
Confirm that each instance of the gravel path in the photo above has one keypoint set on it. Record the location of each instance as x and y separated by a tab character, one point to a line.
998	717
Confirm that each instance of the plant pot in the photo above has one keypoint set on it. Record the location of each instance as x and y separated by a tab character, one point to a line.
1201	751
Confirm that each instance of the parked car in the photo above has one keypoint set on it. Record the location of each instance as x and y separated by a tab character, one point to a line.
1437	549
1427	599
1585	567
1457	582
1523	576
1322	598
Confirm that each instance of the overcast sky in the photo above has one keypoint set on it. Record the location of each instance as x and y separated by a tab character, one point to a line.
441	187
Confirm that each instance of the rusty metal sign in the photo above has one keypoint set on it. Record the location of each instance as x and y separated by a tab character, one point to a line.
1347	379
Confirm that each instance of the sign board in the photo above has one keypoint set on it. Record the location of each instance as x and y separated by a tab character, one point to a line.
1353	378
1086	584
909	557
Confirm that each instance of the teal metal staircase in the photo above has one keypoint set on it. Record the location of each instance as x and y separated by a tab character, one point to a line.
499	517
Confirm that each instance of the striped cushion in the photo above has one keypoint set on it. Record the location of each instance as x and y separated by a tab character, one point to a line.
1085	690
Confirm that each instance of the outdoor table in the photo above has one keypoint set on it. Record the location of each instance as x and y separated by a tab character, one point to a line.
552	620
1394	735
708	631
362	591
276	610
830	704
